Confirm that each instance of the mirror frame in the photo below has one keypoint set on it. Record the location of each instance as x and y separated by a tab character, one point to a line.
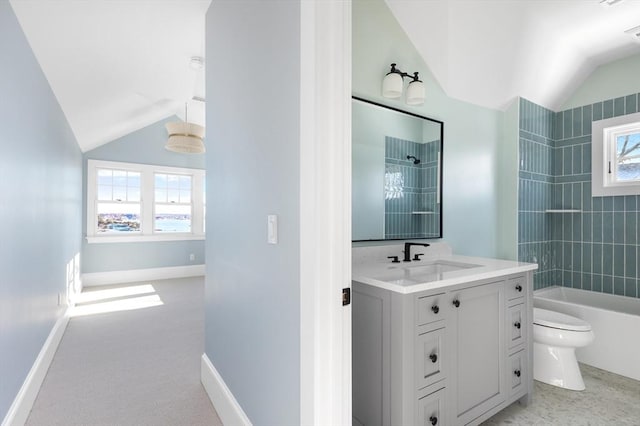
440	177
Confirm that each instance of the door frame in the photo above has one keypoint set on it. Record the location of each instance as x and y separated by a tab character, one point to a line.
325	212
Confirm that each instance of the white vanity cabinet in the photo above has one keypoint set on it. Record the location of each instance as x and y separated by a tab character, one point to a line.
450	356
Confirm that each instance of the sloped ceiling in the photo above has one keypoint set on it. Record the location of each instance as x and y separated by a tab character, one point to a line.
487	52
118	66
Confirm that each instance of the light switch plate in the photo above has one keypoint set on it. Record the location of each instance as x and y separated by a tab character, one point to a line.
272	229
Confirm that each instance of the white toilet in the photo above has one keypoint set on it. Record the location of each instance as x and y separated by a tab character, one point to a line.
555	339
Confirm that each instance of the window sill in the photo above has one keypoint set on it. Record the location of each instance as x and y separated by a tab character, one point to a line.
614	190
142	238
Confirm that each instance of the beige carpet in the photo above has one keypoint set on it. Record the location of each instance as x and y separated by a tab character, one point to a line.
131	356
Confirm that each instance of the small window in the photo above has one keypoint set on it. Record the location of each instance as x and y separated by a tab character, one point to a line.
625	160
616	156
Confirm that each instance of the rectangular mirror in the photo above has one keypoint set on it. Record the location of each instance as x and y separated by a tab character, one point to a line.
397	174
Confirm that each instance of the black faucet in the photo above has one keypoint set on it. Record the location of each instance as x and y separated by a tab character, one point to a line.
407	250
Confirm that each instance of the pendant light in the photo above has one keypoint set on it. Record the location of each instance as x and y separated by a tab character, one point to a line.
185	137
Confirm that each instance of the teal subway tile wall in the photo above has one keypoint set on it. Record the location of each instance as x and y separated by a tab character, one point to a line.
535	188
595	248
411	209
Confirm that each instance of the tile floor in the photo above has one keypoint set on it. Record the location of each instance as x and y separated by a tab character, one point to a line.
608	399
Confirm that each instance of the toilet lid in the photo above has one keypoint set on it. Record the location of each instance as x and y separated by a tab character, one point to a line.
557	320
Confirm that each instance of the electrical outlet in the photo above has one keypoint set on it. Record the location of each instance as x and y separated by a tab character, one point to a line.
192	257
59	299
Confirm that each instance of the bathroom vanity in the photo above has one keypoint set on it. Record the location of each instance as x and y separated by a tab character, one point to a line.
441	341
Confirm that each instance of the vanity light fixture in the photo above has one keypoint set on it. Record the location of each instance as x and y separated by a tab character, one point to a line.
393	84
185	137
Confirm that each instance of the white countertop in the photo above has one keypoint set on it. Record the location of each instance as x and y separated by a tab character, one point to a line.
486	269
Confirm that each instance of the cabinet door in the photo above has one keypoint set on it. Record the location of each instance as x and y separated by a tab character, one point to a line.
478	318
370	359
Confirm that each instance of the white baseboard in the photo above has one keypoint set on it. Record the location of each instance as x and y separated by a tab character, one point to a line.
134	275
22	404
221	397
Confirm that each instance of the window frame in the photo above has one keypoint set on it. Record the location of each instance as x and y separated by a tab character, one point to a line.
157	203
147	203
113	200
603	151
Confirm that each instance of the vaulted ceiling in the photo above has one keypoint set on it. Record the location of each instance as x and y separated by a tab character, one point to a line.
487	52
118	66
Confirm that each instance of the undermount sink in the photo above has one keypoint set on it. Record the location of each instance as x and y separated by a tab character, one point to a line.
420	272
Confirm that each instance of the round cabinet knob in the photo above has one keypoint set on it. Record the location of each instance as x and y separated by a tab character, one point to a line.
517	373
433	420
517	325
433	357
435	309
456	303
519	288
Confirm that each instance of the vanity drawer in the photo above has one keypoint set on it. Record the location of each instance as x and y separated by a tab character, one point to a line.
517	325
431	409
430	308
430	354
516	287
517	372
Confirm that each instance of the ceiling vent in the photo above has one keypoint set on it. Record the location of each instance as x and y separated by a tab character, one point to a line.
634	32
606	3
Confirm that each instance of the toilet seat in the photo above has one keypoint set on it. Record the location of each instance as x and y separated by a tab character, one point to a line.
558	320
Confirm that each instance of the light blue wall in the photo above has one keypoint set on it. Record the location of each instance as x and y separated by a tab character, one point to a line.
472	134
41	209
252	324
508	174
609	81
108	257
144	146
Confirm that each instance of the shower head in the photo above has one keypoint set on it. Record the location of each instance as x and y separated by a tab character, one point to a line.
415	160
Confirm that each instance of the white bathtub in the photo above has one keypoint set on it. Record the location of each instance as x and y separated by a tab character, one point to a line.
615	321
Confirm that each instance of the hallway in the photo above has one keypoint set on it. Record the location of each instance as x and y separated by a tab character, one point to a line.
130	356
